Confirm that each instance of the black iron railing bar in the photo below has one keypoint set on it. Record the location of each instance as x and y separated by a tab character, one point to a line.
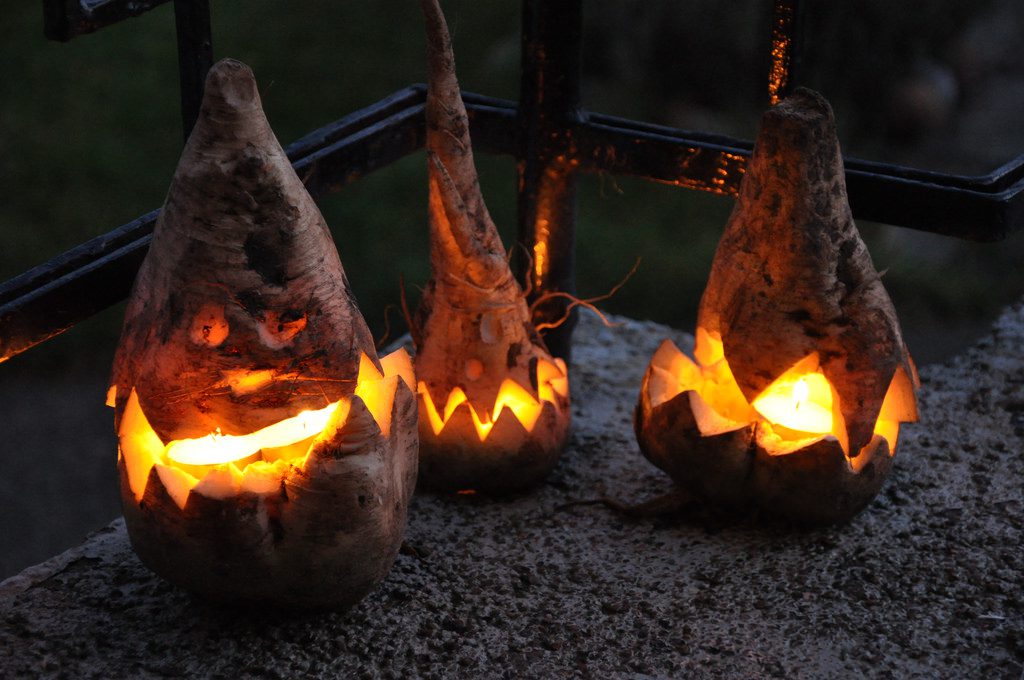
195	56
549	108
547	133
366	140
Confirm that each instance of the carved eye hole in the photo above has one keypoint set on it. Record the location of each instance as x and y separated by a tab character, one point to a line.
474	369
280	328
209	327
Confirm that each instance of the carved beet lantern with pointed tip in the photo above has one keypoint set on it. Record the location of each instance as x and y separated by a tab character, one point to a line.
493	403
266	455
800	377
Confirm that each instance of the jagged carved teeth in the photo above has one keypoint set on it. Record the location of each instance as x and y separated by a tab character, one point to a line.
219	466
552	385
798	407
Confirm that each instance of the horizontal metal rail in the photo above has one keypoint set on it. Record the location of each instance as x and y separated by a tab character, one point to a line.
71	287
975	208
67	19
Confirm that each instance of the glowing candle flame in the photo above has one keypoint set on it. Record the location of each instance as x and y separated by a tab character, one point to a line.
217	448
799	405
218	465
803	404
800	392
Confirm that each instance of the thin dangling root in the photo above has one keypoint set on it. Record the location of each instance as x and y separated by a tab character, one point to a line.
411	550
587	303
379	344
528	284
575	302
414	330
666	504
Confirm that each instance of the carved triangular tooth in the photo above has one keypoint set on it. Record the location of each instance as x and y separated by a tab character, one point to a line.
508	430
460	429
352	431
404	405
400	363
177	483
379	398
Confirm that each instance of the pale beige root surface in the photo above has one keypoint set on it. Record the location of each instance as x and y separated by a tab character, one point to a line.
464	241
473	325
791	275
242	275
323	540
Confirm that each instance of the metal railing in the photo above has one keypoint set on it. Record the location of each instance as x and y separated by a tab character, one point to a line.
547	131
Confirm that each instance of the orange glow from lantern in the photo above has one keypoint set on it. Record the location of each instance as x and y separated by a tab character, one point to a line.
803	404
377	392
215	448
778	77
243	382
219	465
540	252
799	407
552	382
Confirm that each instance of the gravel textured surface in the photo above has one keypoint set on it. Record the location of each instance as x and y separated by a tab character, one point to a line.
927	582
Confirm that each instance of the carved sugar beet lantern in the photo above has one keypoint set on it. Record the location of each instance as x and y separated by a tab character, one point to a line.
801	377
266	455
493	403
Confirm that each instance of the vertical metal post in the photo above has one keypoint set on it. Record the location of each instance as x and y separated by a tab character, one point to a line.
195	56
787	39
549	108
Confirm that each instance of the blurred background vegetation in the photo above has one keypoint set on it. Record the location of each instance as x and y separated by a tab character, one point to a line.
90	134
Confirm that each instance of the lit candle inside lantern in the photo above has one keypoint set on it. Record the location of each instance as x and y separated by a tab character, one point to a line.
259	459
803	404
217	448
800	378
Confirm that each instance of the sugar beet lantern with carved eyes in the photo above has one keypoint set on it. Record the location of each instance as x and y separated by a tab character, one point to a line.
266	454
800	377
493	403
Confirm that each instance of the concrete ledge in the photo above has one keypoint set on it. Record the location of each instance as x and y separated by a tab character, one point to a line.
927	582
